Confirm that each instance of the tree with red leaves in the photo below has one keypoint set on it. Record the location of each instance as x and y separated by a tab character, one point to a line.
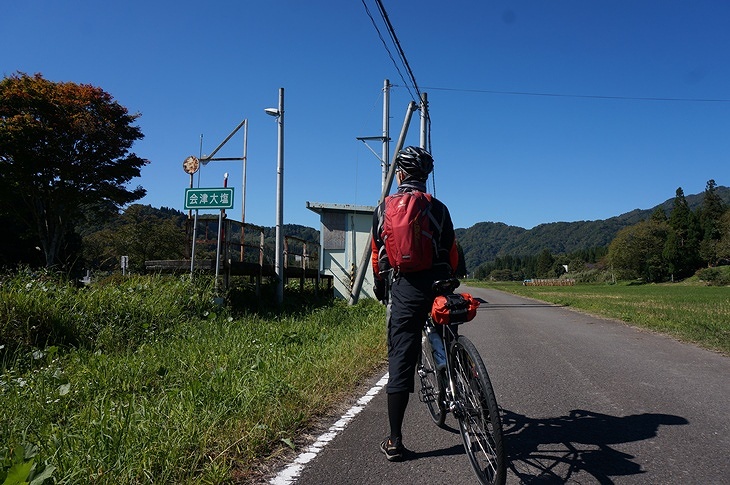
64	150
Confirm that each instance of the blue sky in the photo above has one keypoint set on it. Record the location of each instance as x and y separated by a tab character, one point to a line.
542	110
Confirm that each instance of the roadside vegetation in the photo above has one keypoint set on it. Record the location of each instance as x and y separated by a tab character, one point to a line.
690	311
144	379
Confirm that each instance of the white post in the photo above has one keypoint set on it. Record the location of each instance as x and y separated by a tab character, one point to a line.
278	268
243	188
220	236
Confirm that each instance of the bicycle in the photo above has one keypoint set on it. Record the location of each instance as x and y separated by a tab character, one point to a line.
462	388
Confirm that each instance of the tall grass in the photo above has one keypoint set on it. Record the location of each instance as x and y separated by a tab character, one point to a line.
204	398
40	309
698	314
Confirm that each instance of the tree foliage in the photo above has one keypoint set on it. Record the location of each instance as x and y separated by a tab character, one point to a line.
515	268
655	250
709	217
141	233
64	149
723	245
636	252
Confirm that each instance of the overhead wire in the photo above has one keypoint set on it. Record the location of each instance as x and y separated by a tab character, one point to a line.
385	45
418	97
396	42
580	96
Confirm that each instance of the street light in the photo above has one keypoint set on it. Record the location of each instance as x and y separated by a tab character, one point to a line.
279	114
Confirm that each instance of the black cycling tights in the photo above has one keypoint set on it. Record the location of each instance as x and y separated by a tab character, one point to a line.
397	403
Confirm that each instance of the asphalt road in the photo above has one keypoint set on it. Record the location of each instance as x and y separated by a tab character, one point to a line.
585	400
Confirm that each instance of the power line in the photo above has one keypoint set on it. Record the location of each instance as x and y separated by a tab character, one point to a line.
367	10
402	54
580	96
394	39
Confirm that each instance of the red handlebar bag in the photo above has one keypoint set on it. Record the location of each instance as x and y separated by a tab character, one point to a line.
454	308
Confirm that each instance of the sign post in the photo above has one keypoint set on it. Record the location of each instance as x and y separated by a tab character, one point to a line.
191	165
211	198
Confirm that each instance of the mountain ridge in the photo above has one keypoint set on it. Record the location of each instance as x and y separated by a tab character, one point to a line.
485	241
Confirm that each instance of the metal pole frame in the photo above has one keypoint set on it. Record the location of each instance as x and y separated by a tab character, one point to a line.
280	201
204	160
360	276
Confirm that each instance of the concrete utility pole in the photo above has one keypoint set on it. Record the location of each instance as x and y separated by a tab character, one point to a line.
386	131
278	269
425	121
385	138
243	186
363	267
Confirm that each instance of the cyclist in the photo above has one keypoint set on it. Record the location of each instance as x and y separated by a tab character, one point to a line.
410	296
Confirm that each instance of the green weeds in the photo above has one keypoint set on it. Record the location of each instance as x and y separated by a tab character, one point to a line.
43	309
166	387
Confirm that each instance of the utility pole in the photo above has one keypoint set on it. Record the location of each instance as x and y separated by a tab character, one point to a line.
384	139
243	188
360	276
425	121
279	114
386	132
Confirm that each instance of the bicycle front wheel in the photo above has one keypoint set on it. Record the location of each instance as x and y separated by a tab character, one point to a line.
432	391
476	409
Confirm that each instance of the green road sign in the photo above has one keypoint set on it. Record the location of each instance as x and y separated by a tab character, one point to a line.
209	198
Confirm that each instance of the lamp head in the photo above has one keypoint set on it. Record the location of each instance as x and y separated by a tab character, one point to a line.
272	111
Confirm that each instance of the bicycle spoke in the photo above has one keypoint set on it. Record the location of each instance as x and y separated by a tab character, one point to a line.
478	414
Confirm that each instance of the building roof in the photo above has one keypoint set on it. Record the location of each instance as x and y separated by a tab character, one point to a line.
322	207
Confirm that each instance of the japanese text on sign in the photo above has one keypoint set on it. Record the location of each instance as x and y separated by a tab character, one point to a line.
221	198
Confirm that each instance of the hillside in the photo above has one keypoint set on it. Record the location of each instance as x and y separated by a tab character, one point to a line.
484	241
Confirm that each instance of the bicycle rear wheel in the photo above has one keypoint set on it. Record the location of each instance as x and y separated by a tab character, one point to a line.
479	418
432	391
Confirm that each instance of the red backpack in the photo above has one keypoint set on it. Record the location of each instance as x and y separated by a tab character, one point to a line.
408	231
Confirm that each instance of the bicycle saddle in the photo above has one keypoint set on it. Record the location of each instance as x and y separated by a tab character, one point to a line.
443	287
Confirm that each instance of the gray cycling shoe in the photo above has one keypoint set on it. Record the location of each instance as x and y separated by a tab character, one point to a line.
393	451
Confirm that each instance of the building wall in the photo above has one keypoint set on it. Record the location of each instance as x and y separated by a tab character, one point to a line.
344	238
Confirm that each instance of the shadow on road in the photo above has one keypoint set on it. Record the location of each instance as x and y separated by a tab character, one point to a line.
453	450
486	306
553	450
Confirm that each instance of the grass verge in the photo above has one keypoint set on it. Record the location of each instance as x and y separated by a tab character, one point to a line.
198	398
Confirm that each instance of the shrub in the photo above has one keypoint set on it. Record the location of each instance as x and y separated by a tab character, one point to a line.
719	276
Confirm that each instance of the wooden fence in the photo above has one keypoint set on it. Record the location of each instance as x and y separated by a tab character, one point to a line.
245	253
549	282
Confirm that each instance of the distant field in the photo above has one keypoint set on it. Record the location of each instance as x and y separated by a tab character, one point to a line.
698	314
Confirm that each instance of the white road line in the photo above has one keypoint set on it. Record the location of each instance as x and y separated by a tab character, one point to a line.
290	474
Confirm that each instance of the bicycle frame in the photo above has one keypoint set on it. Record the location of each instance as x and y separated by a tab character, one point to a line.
447	336
463	389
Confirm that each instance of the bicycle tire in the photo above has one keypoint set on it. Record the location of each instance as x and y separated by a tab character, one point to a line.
479	417
433	391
